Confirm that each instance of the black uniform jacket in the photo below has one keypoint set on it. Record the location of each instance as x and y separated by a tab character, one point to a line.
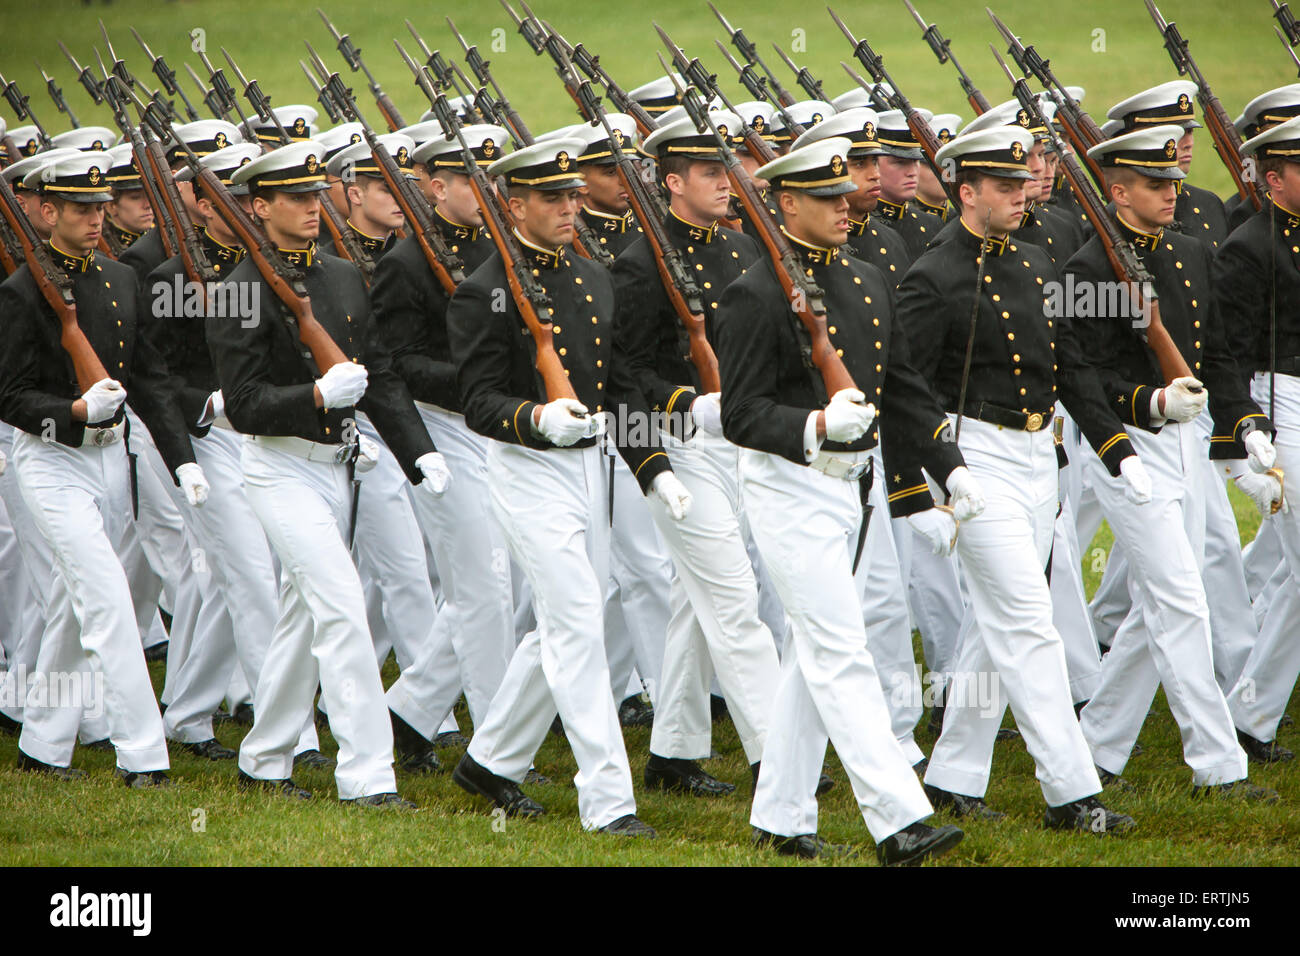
1180	268
915	228
1022	360
267	375
769	390
1199	212
146	253
649	331
615	233
875	241
495	355
37	381
409	307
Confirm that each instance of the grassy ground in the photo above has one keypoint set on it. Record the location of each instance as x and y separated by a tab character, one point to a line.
98	822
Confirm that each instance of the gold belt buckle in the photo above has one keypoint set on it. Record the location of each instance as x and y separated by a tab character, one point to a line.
1034	422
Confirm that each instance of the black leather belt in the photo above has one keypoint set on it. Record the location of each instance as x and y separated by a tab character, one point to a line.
1010	418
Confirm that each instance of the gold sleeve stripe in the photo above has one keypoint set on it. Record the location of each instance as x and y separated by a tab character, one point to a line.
643	464
906	492
1110	443
1244	417
672	400
516	421
1134	402
942	425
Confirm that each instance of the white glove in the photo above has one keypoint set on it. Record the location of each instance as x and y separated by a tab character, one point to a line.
707	412
938	527
1181	403
669	489
436	474
367	454
1261	451
565	421
965	494
194	483
848	415
1136	480
342	385
103	400
1263	491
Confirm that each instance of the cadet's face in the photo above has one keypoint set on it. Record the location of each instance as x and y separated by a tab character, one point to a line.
1038	169
605	192
76	227
701	195
32	206
422	177
818	220
186	190
928	186
546	218
865	174
1185	151
338	194
1001	201
454	197
292	219
898	178
378	206
131	210
1285	186
1048	181
1148	202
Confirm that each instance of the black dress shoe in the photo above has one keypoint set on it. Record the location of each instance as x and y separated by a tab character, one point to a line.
32	765
913	845
282	788
534	778
102	746
935	726
144	779
313	760
557	727
718	707
1008	733
412	752
1262	752
243	714
1114	781
683	776
472	777
961	805
635	711
1088	816
451	739
157	652
805	846
209	749
825	784
10	726
629	825
754	769
919	768
1239	790
380	801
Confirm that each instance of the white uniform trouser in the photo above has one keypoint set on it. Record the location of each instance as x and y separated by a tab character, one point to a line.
884	614
473	636
1260	559
1070	608
1259	697
551	506
805	524
1166	638
321	635
80	501
35	573
1014	653
640	580
715	625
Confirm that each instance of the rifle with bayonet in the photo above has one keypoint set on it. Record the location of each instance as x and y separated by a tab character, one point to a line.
345	243
1227	142
85	77
20	103
529	297
803	294
807	82
441	71
445	265
1128	268
323	97
482	70
750	53
652	212
55	287
1282	12
56	94
751	81
922	132
211	97
942	48
167	77
352	55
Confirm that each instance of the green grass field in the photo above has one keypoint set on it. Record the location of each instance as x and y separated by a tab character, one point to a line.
98	822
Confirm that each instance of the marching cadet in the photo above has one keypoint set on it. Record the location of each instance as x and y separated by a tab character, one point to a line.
298	120
335	139
1260	115
605	206
807	113
128	214
30	199
473	635
76	485
801	459
930	195
27	139
373	213
547	487
1018	361
300	440
205	136
715	625
899	173
1257	282
1166	639
1199	212
869	239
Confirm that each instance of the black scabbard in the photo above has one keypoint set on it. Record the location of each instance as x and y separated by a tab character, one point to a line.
864	495
356	501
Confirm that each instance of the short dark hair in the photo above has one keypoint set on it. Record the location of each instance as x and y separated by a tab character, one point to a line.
678	165
1272	164
969	177
1119	174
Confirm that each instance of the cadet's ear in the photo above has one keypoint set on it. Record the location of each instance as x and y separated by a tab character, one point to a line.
786	202
516	206
261	207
